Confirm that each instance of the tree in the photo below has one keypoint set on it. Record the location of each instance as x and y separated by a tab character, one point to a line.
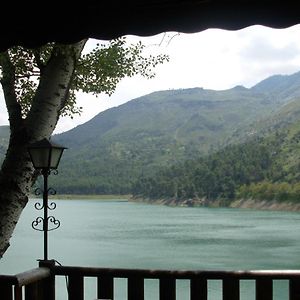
39	86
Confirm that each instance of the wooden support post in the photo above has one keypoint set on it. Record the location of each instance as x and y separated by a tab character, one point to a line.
6	291
32	291
47	285
198	287
231	289
105	287
135	288
76	287
264	289
167	289
294	285
18	292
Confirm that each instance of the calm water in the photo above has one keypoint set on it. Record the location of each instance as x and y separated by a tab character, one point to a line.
130	235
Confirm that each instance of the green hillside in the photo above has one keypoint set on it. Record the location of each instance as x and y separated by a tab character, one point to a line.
266	166
163	130
111	151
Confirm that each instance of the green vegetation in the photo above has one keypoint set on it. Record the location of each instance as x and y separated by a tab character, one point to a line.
192	143
108	154
265	167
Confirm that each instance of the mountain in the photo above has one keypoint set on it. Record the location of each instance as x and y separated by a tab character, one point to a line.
265	166
108	153
280	86
111	151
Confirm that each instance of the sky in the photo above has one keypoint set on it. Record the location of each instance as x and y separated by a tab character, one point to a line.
212	59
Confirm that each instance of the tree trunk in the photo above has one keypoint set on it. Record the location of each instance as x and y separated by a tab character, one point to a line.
15	182
17	173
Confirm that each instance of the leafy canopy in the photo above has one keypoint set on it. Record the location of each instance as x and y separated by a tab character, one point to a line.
98	71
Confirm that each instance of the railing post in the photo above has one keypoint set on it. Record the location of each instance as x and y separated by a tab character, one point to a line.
47	285
6	291
231	289
76	287
294	285
264	289
135	288
167	289
32	291
18	292
198	287
105	287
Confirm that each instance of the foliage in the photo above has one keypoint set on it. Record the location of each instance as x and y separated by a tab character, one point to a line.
173	144
98	71
212	177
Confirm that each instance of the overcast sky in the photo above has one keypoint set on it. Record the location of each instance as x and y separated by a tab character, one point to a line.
212	59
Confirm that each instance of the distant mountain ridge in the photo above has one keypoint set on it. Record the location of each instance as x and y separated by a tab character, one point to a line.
108	153
164	128
283	86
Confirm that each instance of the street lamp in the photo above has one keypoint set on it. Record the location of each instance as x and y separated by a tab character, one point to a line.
45	156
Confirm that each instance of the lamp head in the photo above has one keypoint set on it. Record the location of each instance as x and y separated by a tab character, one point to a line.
45	154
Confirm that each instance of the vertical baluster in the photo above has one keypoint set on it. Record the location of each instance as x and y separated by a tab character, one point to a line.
294	285
32	291
264	289
6	291
76	287
47	285
135	288
18	292
105	287
167	289
231	289
198	287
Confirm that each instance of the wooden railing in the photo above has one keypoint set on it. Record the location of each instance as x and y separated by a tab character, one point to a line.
39	284
167	282
35	284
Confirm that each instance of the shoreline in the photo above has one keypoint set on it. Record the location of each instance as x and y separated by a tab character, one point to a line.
85	197
266	205
240	203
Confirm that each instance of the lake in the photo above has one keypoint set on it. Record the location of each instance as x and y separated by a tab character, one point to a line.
134	235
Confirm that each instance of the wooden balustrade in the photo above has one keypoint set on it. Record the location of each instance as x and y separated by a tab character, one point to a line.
36	284
167	282
39	284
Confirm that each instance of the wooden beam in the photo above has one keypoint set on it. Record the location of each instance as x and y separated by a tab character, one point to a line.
198	288
135	288
76	288
6	291
294	291
264	289
167	289
231	289
105	286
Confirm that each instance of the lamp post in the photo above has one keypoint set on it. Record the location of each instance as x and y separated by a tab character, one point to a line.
45	156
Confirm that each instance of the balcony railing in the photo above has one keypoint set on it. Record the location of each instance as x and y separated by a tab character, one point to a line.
39	284
31	285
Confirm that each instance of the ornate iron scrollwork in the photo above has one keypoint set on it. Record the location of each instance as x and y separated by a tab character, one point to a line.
55	222
37	222
51	206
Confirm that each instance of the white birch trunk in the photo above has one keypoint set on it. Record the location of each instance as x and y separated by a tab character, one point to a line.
17	173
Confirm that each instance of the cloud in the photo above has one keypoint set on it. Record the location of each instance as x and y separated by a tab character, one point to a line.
212	59
265	51
261	50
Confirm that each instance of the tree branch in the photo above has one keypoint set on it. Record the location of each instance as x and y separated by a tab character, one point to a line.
52	92
38	60
8	85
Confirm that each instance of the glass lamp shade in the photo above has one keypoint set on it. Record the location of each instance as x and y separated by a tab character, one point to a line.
45	154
